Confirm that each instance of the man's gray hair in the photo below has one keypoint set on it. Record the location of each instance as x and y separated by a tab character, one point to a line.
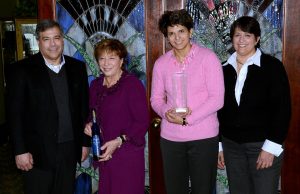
44	25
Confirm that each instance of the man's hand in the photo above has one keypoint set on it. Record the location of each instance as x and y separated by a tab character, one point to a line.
24	161
264	160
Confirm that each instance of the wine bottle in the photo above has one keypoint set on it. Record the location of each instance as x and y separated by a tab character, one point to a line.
96	138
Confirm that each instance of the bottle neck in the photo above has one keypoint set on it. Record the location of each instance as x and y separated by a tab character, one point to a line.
94	116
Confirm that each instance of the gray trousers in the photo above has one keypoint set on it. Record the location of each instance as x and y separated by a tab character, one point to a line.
240	161
194	161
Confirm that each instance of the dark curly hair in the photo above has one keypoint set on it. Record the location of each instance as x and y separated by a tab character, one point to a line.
172	18
246	24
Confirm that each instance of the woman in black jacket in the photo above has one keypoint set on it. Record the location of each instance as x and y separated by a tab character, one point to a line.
256	113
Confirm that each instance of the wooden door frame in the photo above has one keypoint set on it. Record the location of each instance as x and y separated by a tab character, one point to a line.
46	9
153	10
291	59
154	49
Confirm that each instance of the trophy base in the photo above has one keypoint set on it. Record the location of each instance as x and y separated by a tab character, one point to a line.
181	110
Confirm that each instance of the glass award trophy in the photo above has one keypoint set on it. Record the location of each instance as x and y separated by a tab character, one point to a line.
179	92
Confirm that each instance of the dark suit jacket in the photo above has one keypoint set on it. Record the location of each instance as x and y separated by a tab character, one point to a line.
32	110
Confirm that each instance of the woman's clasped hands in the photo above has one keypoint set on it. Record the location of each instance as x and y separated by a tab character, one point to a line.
108	148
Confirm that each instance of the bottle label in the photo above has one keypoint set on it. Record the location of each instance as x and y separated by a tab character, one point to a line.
96	146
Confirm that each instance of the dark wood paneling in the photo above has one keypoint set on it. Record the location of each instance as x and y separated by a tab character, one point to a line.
291	59
154	48
46	9
174	4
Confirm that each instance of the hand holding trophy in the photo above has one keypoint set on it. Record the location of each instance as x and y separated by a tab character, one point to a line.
180	110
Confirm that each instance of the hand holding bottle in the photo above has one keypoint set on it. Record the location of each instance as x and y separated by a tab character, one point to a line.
109	148
96	138
107	155
88	129
100	153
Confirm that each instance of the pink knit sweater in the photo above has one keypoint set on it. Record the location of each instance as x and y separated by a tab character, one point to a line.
205	93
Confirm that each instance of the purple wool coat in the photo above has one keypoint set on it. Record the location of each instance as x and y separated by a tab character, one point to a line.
122	110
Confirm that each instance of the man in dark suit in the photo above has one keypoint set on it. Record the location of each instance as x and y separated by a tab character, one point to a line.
47	107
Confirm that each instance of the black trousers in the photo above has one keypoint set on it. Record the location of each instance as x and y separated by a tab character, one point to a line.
192	161
240	161
60	180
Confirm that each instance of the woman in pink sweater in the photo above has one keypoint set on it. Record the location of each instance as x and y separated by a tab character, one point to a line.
189	140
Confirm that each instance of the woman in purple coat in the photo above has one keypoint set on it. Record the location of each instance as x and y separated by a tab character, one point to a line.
120	102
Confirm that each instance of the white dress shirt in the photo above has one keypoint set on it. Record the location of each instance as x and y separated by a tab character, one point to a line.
268	146
55	68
